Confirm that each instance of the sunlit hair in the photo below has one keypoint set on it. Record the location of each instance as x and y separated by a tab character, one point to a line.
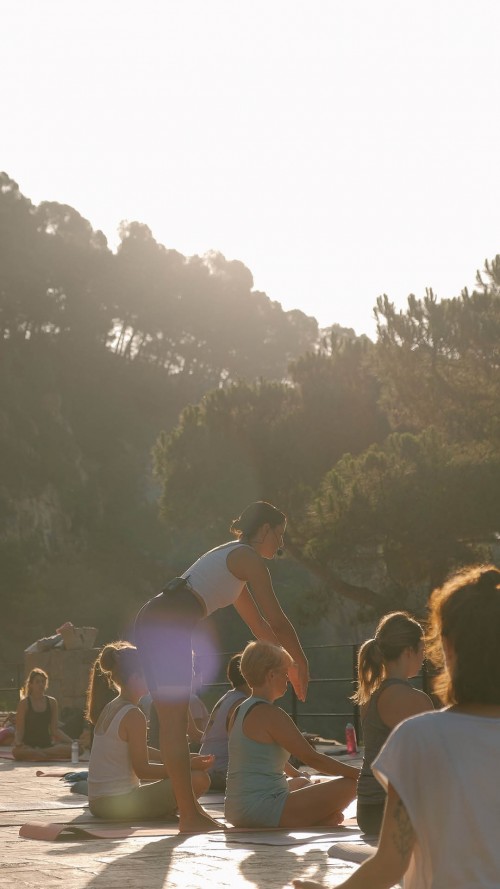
395	632
465	612
254	516
233	671
37	671
116	663
259	658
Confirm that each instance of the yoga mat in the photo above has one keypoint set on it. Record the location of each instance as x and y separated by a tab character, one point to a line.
276	836
356	852
40	830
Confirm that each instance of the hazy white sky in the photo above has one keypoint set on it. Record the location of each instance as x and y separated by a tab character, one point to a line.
339	149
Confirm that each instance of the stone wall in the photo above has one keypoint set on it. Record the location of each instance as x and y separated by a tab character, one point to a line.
68	673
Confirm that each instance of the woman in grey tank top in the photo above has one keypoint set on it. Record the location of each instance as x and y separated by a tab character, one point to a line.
385	664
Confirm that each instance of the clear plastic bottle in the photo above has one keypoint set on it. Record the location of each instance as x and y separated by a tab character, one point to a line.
350	738
75	752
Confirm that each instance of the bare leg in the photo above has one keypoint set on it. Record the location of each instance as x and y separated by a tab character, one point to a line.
318	804
24	753
173	719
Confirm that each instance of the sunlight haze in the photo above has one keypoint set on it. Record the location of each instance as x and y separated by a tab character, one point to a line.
339	150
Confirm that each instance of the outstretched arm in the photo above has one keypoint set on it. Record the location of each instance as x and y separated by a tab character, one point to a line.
284	732
264	616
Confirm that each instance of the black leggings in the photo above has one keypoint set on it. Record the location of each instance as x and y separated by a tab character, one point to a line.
369	817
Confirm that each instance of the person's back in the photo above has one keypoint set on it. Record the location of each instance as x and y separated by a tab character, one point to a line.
215	737
255	778
110	766
443	765
386	697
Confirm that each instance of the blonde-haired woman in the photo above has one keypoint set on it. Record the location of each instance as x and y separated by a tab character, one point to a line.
37	726
263	789
386	663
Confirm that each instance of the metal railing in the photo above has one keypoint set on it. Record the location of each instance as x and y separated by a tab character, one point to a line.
337	707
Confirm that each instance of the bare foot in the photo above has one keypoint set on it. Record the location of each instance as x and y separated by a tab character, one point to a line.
199	823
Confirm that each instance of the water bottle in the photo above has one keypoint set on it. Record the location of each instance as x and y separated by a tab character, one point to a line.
350	738
75	753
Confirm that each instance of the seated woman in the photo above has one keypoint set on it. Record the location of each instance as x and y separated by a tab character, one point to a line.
37	728
440	826
215	737
385	664
120	757
261	740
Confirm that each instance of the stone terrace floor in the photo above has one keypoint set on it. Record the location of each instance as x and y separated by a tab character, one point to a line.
151	862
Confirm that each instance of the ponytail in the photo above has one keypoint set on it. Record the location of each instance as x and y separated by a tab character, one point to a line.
395	632
112	669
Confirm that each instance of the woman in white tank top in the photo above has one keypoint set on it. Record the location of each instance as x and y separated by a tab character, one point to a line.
120	757
165	625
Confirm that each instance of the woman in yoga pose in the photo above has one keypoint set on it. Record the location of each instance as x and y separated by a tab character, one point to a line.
38	737
234	573
263	789
385	665
120	757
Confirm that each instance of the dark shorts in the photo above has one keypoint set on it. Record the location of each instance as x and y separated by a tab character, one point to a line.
163	635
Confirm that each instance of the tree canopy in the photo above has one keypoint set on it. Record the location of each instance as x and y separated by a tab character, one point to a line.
142	378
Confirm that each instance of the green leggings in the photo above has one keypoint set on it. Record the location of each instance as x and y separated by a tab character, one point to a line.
147	802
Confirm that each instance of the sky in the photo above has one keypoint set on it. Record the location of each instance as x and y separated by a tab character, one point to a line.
341	150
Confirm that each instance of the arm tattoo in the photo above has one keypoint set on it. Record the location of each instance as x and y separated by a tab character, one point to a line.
403	835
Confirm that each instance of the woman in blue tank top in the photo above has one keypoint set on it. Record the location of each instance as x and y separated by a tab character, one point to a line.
165	625
263	789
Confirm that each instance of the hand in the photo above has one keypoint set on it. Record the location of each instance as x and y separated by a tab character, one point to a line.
202	763
298	674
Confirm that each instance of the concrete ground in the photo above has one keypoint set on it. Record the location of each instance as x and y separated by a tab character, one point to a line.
153	862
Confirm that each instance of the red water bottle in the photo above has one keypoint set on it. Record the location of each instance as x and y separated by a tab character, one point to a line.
350	738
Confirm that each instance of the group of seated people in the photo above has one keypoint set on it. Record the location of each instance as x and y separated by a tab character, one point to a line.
426	784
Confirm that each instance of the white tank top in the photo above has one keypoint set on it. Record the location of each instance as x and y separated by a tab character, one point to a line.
110	767
210	577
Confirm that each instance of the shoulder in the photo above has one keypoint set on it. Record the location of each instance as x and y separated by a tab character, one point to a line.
134	715
134	720
22	706
52	701
400	701
245	563
262	711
